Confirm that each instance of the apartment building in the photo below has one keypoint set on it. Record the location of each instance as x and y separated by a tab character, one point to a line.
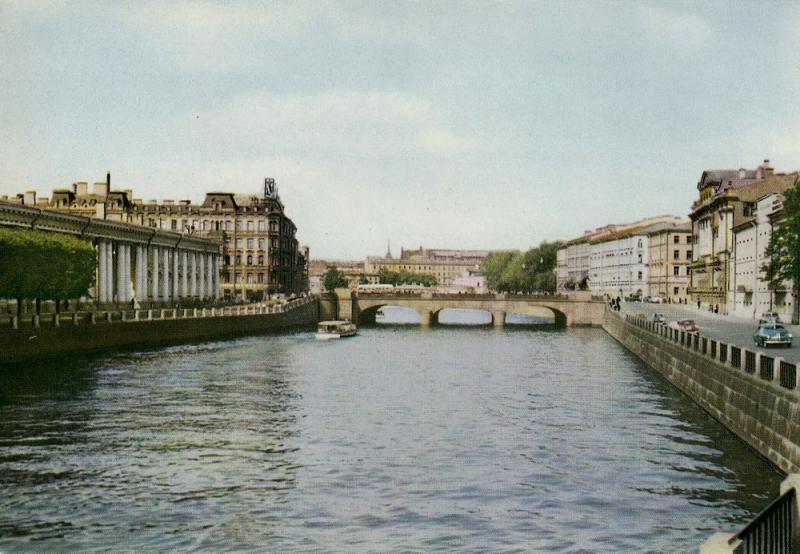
670	257
727	199
260	254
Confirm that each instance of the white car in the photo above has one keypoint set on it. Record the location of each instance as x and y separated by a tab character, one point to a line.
656	300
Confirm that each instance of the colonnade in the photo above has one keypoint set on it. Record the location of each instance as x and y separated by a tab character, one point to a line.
159	274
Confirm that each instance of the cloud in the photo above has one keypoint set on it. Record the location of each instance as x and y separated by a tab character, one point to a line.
678	29
342	123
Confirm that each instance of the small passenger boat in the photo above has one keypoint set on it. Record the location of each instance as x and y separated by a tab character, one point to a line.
335	329
379	315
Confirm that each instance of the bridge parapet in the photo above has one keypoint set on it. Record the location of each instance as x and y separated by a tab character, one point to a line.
568	310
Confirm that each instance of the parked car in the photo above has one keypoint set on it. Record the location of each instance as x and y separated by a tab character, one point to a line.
656	300
772	333
769	317
658	318
685	325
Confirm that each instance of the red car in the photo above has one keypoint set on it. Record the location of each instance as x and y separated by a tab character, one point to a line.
685	325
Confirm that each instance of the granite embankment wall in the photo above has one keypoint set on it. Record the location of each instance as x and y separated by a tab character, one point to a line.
753	395
48	340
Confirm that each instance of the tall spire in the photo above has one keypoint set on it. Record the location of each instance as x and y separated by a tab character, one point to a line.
388	249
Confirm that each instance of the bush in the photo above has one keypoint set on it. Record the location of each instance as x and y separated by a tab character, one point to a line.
42	265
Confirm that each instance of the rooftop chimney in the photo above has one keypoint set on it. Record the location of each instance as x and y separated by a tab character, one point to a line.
768	169
101	189
742	173
81	188
30	198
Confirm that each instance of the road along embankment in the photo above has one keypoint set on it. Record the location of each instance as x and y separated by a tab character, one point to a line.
150	327
752	394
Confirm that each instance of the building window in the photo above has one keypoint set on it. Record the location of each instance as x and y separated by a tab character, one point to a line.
676	254
260	224
689	239
676	239
688	254
640	275
239	243
640	243
676	270
249	260
229	225
238	260
238	225
261	260
249	225
261	244
249	244
249	278
675	290
238	278
260	277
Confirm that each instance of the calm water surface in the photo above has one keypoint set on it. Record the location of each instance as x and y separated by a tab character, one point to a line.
400	439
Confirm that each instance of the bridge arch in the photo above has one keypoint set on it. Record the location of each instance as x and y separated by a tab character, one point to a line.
367	316
437	312
532	309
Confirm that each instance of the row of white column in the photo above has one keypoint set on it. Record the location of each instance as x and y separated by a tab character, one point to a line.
161	274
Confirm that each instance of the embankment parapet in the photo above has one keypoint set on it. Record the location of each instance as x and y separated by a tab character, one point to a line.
753	395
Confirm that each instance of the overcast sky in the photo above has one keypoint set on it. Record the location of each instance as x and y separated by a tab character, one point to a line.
448	124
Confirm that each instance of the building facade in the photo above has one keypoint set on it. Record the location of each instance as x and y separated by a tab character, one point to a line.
618	265
574	266
727	198
751	293
445	265
670	256
135	265
259	253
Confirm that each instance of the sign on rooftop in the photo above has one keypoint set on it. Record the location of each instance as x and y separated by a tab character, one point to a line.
270	191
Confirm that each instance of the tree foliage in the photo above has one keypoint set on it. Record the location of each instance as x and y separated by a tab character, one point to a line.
528	272
403	277
334	279
50	266
783	250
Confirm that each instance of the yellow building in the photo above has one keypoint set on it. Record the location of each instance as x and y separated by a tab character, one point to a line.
670	256
445	265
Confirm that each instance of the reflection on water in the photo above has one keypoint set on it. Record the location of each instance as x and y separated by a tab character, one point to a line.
400	439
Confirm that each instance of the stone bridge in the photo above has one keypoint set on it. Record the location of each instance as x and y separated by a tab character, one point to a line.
578	309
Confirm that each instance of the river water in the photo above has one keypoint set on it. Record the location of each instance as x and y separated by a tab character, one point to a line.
400	439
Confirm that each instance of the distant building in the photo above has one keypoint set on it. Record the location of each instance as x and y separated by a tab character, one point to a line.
353	271
445	265
727	199
669	258
260	253
587	262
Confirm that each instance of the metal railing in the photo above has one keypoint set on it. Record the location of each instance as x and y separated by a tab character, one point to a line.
788	375
775	370
749	361
766	366
770	531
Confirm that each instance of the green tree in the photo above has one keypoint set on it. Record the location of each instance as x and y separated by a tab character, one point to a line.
44	266
783	249
334	279
531	271
404	277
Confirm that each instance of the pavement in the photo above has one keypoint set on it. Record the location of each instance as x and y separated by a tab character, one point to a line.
727	328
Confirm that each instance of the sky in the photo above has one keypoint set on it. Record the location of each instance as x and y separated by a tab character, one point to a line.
447	124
